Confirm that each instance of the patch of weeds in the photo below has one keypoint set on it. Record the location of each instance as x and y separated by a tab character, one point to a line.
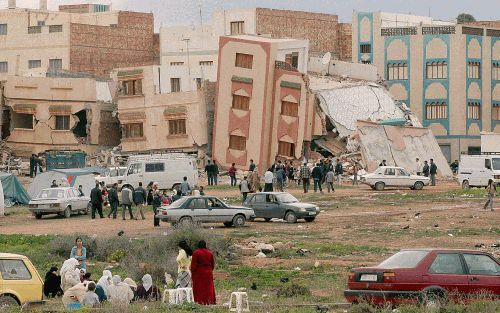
292	290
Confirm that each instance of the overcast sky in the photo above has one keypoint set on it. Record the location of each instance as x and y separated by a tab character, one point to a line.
172	12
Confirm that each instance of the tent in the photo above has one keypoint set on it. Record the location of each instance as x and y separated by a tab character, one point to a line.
13	191
75	177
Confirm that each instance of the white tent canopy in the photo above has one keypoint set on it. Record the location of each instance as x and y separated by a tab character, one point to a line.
74	177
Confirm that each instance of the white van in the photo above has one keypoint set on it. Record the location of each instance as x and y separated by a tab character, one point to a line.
168	170
477	170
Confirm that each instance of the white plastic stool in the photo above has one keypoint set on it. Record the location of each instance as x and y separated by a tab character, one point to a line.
239	297
184	295
172	296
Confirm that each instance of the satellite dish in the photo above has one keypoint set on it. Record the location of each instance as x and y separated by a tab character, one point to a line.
326	58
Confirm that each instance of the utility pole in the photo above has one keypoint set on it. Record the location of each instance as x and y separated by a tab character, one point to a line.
189	65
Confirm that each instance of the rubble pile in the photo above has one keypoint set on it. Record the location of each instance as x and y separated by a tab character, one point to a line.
10	162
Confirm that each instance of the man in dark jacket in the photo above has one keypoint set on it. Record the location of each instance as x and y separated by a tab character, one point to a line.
433	171
339	171
425	169
113	200
317	175
96	201
33	165
140	200
209	169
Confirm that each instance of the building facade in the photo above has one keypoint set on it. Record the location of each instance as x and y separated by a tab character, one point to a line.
154	120
263	109
448	74
81	38
43	113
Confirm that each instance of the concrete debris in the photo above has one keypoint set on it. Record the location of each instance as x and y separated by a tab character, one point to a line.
261	255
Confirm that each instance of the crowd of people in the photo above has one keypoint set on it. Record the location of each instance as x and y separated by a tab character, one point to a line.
77	288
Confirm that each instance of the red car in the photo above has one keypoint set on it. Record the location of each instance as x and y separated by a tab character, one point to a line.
426	276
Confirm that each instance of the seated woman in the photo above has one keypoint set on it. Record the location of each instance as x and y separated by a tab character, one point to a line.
73	297
79	252
102	285
119	292
52	283
70	274
146	291
133	286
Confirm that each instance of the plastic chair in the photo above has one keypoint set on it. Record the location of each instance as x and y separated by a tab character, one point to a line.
239	297
172	296
185	295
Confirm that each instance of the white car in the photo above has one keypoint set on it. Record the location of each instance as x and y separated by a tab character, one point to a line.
115	175
62	201
392	176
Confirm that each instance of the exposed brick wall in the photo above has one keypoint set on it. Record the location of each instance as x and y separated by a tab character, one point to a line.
156	48
109	130
320	29
99	49
492	24
345	41
76	8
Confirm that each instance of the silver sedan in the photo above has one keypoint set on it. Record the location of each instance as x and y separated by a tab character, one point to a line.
63	201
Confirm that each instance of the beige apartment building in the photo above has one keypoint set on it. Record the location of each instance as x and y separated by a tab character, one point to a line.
448	74
154	119
264	109
82	38
43	113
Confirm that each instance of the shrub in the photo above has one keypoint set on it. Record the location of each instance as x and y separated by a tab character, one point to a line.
293	290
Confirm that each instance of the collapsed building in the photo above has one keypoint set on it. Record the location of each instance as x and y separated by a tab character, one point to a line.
58	113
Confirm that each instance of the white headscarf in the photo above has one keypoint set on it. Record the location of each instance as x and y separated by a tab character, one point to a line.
129	281
116	280
69	265
147	282
105	280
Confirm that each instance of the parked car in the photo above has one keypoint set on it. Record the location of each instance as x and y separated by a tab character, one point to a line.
115	175
269	205
63	201
477	170
202	209
426	276
20	282
391	176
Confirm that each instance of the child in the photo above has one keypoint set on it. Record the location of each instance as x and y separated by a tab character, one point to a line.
329	180
90	300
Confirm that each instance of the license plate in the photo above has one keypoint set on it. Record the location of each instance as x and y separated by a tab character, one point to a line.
368	277
312	213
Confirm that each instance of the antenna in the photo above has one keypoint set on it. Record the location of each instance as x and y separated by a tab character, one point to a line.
201	17
327	57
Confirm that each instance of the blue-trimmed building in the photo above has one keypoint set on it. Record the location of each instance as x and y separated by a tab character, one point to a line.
448	74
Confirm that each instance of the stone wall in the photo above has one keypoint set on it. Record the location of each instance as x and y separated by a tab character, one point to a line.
109	130
345	41
99	49
490	24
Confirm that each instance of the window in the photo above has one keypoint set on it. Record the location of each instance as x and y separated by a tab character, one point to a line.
132	130
14	270
197	204
241	102
176	63
289	108
175	84
135	168
404	259
436	111
40	23
22	120
292	59
481	265
474	111
286	149
397	71
206	63
3	29
55	29
495	71
398	31
155	167
390	172
244	60
402	172
4	67
496	112
434	30
436	70
447	263
62	122
237	143
131	87
34	29
366	62
55	64
237	28
177	127
474	70
198	83
34	64
365	48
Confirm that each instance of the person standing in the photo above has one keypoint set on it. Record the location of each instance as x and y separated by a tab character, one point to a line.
54	184
339	171
33	165
433	172
149	190
329	179
244	188
454	167
384	163
355	175
268	181
305	176
157	202
232	174
252	166
491	189
183	266
140	200
215	173
280	177
425	169
202	266
209	170
79	252
185	188
80	191
254	180
418	167
317	175
113	200
96	201
127	201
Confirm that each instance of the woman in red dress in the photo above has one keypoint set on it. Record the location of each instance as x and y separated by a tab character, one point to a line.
202	266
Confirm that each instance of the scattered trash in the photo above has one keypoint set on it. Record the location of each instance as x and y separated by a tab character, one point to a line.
284	279
406	227
480	245
297	269
120	233
436	225
303	252
254	286
451	235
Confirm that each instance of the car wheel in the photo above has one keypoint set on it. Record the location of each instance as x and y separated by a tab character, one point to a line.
88	209
418	185
379	186
67	212
228	224
309	219
433	300
186	221
38	216
7	302
268	219
239	221
290	217
465	185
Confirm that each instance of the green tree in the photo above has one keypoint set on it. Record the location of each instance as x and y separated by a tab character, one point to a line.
465	18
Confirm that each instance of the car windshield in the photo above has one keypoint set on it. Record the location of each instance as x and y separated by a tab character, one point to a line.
496	164
51	194
178	203
286	198
122	171
404	259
